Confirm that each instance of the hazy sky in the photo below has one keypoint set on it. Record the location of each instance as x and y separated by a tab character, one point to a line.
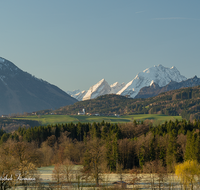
75	43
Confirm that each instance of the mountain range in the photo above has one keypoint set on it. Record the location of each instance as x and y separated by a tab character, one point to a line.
21	92
154	89
159	75
99	89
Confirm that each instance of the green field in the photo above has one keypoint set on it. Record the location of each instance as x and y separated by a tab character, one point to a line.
55	119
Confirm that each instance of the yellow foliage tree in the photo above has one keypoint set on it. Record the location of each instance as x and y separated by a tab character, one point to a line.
187	171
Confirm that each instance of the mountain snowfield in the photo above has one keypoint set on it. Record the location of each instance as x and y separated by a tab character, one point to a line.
157	74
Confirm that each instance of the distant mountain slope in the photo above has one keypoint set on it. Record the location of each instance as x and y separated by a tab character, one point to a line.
21	92
157	74
154	89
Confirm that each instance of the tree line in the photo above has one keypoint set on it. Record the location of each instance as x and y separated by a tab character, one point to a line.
101	147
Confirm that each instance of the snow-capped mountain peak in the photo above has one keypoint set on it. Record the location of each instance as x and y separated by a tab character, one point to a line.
97	85
116	87
73	92
152	82
158	74
114	84
100	88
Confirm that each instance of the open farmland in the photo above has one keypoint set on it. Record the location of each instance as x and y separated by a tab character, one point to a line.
54	119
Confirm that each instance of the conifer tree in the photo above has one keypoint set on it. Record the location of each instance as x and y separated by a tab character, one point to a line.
189	154
112	151
171	156
142	156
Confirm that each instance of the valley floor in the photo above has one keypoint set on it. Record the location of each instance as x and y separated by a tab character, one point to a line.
55	119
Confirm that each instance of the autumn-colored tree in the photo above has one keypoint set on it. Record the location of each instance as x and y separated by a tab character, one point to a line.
17	156
47	154
8	166
187	171
27	170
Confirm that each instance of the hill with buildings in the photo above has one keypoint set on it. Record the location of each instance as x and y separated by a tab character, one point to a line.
184	102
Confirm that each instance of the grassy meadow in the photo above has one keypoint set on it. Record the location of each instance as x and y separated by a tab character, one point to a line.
55	119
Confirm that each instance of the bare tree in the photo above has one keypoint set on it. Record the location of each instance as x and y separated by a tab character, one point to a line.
57	175
93	159
68	170
156	171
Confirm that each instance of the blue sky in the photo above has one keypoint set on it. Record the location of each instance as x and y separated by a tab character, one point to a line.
73	44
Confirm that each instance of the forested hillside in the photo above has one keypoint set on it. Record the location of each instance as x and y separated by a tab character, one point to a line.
10	124
184	102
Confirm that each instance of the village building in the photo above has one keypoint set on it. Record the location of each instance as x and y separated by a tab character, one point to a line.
82	113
